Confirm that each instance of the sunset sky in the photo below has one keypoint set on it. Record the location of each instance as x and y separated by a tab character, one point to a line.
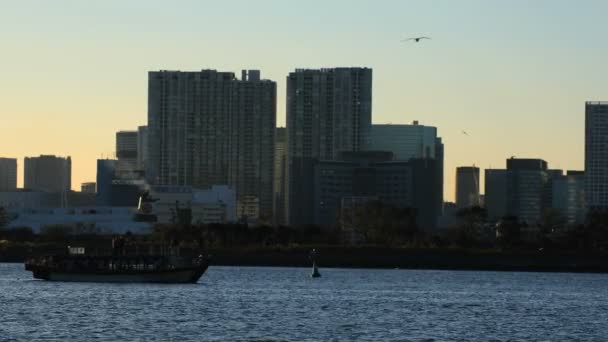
514	74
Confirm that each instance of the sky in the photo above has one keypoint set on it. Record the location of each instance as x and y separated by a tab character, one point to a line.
514	75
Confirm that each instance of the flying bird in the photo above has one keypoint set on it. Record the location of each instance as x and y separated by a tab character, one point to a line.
465	133
415	39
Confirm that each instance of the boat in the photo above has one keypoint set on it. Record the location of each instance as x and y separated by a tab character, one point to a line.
76	266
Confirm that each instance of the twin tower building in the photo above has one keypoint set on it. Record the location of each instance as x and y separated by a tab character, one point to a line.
207	128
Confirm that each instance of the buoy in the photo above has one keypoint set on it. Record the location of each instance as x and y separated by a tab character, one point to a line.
315	271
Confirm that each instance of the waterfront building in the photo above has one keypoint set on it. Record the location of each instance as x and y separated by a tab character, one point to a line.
328	112
214	205
374	174
522	190
48	173
114	190
569	196
596	155
8	174
467	186
495	194
208	127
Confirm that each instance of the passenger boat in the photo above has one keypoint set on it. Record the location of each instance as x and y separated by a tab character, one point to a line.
77	267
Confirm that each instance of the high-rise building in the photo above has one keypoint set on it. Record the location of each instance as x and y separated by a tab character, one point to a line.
47	173
126	151
495	197
375	174
208	128
328	112
251	159
280	174
522	190
8	174
418	144
405	141
596	155
568	196
142	147
467	186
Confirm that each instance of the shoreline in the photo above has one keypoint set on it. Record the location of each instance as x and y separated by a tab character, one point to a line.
391	258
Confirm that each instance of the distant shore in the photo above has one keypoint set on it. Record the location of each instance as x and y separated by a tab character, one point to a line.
390	258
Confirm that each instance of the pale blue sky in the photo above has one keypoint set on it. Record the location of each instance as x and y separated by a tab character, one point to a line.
514	74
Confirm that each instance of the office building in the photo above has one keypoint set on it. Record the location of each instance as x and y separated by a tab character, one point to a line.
126	151
328	112
568	197
8	174
522	190
47	173
467	187
596	155
495	197
405	141
374	174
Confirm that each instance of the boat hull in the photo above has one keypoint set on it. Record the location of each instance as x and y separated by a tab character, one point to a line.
174	276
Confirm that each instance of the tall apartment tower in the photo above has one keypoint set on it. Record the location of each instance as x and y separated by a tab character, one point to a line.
596	155
328	112
251	142
467	186
189	127
47	173
8	174
208	128
280	174
126	150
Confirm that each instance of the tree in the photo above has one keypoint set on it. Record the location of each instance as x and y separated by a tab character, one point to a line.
380	223
508	231
471	225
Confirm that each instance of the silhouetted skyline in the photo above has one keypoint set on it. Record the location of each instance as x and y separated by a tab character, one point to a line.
515	76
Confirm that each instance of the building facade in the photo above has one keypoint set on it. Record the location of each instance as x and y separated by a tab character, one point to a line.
142	147
8	174
405	141
208	127
252	145
467	187
568	197
328	112
47	173
280	175
374	174
596	155
126	151
522	190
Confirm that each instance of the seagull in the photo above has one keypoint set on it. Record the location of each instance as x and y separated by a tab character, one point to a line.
465	133
415	39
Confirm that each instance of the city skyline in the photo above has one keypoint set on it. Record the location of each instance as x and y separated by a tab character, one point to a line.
484	76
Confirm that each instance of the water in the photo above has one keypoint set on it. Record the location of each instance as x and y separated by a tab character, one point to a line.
285	304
